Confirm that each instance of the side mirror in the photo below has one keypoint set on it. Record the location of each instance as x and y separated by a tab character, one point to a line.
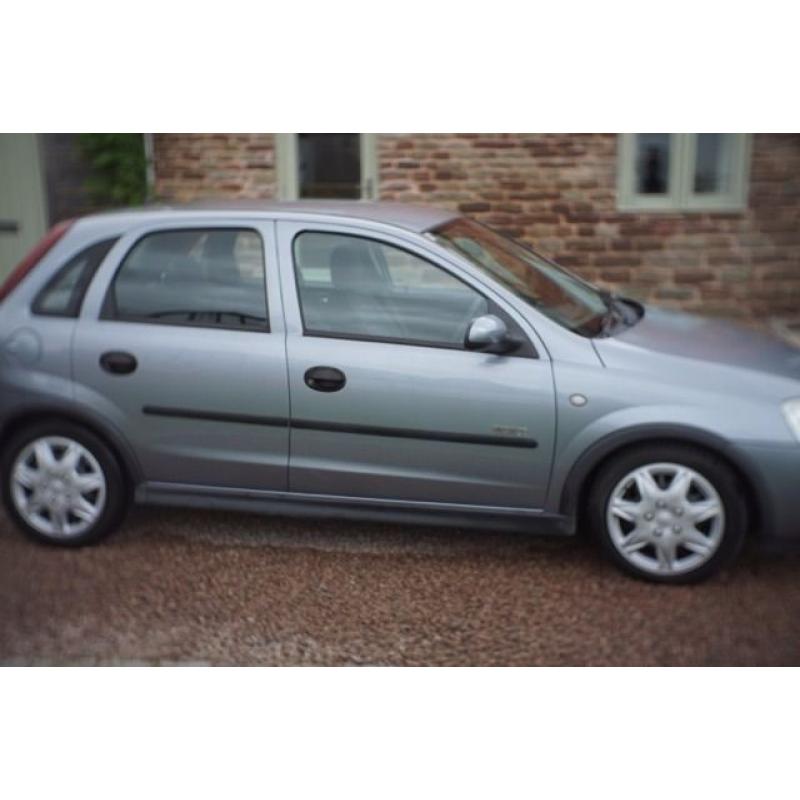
489	334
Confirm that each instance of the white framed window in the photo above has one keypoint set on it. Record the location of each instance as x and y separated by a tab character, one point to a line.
326	165
683	171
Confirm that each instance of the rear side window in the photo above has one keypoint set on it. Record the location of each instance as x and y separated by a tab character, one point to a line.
201	277
63	295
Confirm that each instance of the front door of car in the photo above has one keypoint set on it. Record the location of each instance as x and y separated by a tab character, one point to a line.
385	400
180	344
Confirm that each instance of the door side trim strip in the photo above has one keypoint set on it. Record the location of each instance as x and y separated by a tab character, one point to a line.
412	433
214	416
341	427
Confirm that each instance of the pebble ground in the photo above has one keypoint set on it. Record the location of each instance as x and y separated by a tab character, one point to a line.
192	587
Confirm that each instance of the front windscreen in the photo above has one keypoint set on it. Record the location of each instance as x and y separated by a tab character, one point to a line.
544	285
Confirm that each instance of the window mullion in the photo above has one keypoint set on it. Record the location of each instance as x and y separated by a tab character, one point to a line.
286	165
684	145
369	166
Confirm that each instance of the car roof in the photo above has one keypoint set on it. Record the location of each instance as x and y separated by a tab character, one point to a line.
402	215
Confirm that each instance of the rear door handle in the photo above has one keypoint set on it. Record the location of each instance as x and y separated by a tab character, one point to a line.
118	363
325	379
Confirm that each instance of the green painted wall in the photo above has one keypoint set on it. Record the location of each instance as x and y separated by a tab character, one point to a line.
23	215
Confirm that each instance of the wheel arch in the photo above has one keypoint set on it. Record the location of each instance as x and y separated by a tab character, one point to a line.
582	474
114	440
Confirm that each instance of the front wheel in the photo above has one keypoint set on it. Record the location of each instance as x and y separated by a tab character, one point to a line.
671	514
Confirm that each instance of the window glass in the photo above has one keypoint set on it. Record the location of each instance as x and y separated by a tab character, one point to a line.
557	293
63	295
359	287
683	171
194	277
712	169
652	163
329	165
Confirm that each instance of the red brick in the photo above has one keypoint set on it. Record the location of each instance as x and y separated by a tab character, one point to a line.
560	190
694	276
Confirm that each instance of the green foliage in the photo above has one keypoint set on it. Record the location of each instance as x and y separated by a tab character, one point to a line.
118	168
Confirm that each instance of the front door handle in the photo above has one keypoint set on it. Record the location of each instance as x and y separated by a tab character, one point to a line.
118	363
325	379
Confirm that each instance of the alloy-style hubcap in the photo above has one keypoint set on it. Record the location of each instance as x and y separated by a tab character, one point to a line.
58	486
665	519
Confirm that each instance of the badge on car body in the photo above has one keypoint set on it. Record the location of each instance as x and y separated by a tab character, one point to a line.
510	430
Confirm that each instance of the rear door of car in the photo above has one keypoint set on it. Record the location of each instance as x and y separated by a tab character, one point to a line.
180	344
415	417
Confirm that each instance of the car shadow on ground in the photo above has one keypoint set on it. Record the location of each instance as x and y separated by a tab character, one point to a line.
187	586
234	529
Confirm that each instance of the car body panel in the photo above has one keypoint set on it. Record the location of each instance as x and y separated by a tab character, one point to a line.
776	473
648	395
204	405
468	515
404	216
402	425
670	377
709	341
412	397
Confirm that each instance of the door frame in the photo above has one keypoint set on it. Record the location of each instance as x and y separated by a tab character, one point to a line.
117	416
94	299
305	418
287	229
286	165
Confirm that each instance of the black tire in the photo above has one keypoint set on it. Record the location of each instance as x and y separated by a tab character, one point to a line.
117	490
714	469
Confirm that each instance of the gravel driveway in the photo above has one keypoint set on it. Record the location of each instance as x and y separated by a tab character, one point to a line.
178	586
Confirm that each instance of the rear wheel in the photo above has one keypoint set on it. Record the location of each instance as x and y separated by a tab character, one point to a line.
671	514
62	485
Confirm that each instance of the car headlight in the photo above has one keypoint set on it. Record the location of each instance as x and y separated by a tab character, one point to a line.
791	410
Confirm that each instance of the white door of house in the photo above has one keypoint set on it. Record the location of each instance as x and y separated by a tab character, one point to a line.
326	165
23	214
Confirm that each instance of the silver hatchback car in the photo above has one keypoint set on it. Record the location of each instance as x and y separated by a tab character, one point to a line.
382	361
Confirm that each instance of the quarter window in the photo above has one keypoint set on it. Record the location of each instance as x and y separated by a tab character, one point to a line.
209	278
361	288
683	171
63	295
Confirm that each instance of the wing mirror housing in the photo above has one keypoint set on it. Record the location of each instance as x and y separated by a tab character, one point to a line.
489	334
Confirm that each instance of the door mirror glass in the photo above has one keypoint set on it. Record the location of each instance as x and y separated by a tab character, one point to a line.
489	334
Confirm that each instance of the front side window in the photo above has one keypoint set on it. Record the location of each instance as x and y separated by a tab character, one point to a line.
547	287
682	171
203	277
362	288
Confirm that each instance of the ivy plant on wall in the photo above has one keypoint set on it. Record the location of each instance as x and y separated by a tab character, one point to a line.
118	168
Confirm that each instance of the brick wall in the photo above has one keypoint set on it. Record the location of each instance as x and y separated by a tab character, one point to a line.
558	192
189	166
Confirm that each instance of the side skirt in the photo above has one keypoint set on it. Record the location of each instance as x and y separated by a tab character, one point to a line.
298	504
